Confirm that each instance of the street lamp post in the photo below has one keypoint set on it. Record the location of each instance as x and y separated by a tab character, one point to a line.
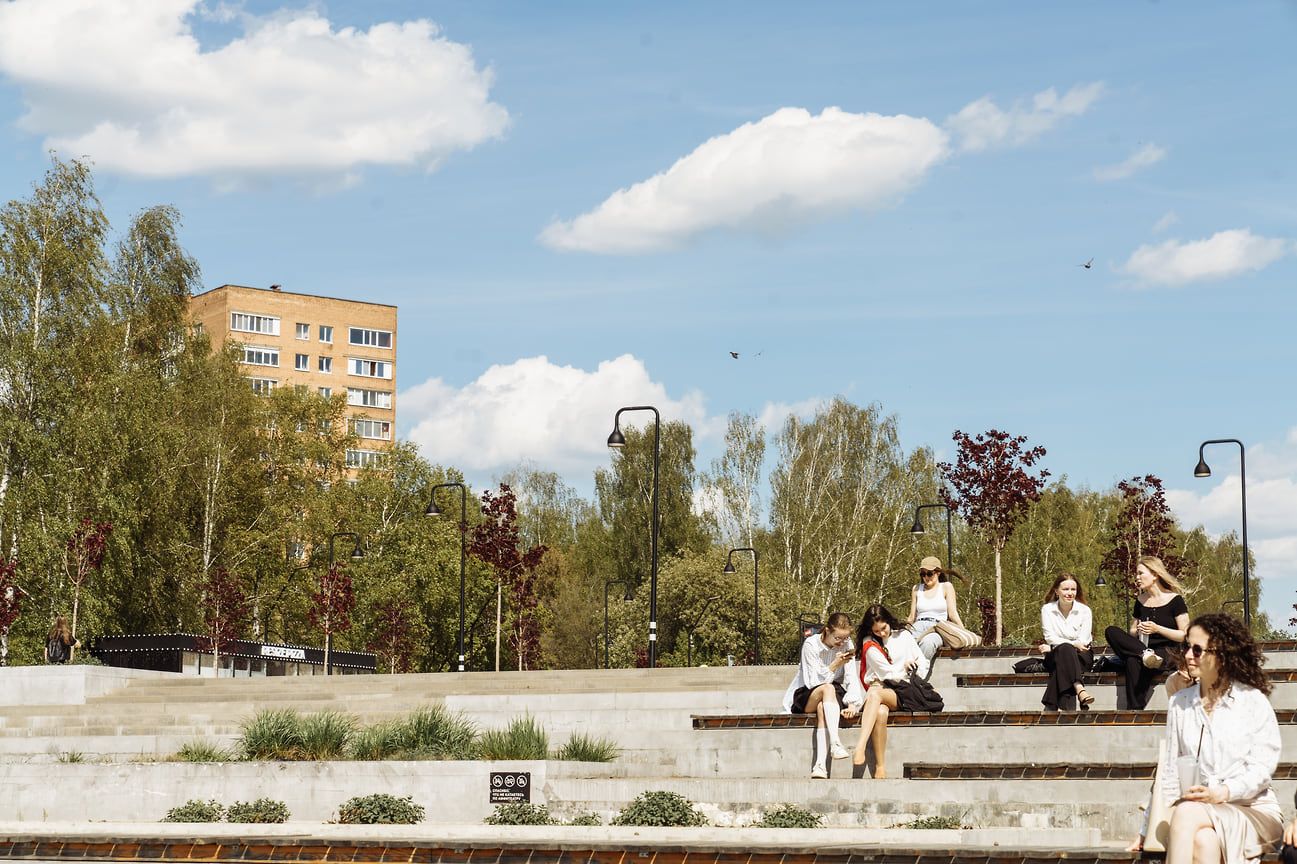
629	597
434	510
689	660
1202	470
1125	594
616	439
356	554
917	529
756	600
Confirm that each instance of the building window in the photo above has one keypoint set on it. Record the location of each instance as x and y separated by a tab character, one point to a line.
304	331
246	323
326	334
326	364
369	398
302	363
255	356
363	427
369	368
263	385
371	338
363	458
326	392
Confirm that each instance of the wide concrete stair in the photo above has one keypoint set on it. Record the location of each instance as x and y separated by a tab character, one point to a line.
991	759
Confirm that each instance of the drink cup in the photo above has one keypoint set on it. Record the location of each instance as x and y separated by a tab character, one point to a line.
1187	769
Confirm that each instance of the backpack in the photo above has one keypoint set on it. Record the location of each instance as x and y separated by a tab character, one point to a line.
57	649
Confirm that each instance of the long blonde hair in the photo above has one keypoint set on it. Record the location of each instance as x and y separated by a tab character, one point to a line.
1158	569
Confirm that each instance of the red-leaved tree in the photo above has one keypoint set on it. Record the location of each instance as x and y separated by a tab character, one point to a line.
225	611
87	546
10	595
331	605
989	486
394	637
1143	526
497	542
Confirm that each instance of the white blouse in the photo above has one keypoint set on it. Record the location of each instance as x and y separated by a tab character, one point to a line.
1076	626
901	649
814	671
1240	743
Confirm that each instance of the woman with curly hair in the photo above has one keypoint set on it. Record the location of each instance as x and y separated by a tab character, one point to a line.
1228	812
887	652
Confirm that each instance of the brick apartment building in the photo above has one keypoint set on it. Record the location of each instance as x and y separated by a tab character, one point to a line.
334	347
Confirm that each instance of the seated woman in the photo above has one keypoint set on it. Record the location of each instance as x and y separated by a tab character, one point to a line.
827	686
1230	814
887	652
932	601
1067	625
1158	625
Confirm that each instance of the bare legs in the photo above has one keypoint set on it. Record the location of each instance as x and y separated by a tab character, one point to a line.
873	725
1193	839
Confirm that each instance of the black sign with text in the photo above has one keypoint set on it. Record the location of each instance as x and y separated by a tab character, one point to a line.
509	787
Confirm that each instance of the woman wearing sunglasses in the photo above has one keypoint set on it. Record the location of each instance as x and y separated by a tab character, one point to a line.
1222	729
932	601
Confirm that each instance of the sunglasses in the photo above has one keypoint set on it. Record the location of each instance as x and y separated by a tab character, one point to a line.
929	572
1197	651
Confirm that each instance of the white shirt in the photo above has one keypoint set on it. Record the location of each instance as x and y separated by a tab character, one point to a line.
814	671
1240	743
1076	626
901	649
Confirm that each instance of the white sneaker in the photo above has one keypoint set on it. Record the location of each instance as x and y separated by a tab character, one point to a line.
840	752
818	773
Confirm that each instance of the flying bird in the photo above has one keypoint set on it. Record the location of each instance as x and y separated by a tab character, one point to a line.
275	287
1087	264
734	354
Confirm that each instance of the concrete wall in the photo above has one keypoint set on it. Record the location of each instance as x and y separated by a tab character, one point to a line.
65	685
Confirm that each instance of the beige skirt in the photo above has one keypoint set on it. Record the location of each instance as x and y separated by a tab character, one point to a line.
1247	831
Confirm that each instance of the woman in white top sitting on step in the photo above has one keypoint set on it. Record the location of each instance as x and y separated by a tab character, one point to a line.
827	686
932	601
888	652
1068	628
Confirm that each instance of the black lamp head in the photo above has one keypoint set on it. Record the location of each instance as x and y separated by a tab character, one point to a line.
1100	582
616	439
729	567
629	596
1201	469
433	509
917	528
357	554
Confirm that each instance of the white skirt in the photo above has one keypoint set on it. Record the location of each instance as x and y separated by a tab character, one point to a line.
1247	831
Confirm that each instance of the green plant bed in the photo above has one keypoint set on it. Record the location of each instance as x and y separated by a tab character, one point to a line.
585	748
380	809
263	811
523	738
202	751
664	809
790	816
196	811
932	823
520	813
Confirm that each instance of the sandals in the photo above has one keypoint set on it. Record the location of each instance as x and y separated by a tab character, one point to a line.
1083	698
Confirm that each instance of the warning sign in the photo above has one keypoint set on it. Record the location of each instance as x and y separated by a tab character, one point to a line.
508	787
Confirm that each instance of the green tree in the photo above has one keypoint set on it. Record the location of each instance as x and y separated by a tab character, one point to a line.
735	480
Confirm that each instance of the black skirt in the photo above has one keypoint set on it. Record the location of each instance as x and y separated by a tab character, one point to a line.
802	694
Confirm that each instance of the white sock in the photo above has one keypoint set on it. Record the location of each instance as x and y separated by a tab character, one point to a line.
831	712
821	747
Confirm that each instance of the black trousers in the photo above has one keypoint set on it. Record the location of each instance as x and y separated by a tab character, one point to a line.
1139	678
1065	664
1288	854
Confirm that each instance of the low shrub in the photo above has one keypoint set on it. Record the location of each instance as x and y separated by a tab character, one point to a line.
274	733
790	816
667	809
523	738
586	819
380	741
262	811
584	748
520	813
324	735
196	811
202	751
933	822
438	733
380	809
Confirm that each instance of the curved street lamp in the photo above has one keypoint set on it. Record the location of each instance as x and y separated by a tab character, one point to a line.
617	440
356	555
756	600
434	510
689	661
1202	470
917	529
628	598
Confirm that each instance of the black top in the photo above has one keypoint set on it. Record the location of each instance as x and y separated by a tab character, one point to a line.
1163	616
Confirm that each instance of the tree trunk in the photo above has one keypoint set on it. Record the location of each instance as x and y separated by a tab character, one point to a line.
498	609
999	608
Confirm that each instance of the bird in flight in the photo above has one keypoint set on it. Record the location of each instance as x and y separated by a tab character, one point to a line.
734	354
1087	264
273	287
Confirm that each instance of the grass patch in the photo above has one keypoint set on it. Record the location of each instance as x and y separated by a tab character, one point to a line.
72	756
377	742
932	822
324	735
585	748
274	733
202	751
523	738
437	733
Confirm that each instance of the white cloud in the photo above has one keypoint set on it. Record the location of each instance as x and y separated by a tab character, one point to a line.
983	125
1216	504
556	416
1168	219
1221	256
1149	154
128	84
788	168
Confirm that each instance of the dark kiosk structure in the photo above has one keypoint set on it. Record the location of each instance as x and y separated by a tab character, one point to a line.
183	652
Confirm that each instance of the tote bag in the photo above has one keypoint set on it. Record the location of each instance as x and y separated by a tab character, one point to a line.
954	636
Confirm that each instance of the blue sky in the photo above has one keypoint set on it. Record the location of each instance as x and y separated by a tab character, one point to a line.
579	206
